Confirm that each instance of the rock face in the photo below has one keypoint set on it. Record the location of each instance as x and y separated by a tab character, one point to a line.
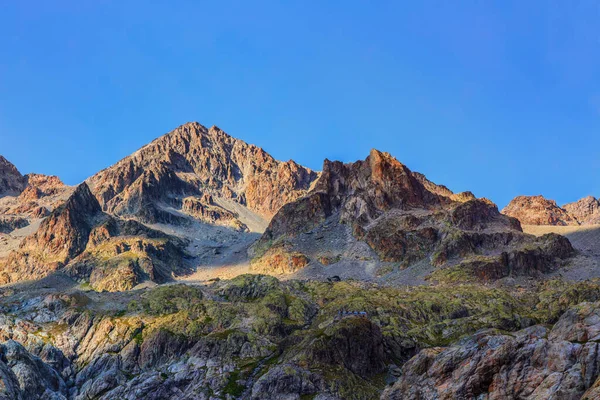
255	337
11	181
110	253
61	237
39	186
36	196
195	161
537	210
405	219
586	211
536	363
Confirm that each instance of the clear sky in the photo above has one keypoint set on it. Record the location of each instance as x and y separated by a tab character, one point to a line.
497	97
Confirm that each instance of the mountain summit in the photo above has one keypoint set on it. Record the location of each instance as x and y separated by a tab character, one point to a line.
179	173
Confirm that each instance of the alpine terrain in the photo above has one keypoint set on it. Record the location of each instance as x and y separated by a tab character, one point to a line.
200	267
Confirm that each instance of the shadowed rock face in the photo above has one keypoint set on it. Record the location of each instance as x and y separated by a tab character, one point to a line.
195	161
11	181
405	218
561	363
537	210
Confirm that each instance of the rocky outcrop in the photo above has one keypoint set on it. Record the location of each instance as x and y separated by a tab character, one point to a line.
279	260
405	218
39	186
537	210
60	238
10	223
11	181
586	211
36	196
109	253
205	210
195	161
561	363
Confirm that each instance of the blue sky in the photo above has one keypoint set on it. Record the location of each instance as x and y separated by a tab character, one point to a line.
500	98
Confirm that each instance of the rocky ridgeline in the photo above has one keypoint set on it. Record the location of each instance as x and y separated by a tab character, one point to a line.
257	338
404	219
537	210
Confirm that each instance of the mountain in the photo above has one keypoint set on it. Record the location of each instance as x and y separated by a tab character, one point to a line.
537	210
191	196
378	216
195	172
153	279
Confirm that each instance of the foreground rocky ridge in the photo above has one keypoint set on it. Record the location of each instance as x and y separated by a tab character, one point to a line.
537	210
255	337
539	363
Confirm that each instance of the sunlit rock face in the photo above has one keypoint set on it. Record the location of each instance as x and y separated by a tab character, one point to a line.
193	161
404	219
586	211
537	210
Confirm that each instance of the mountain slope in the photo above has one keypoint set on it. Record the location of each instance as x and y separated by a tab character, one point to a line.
191	163
404	220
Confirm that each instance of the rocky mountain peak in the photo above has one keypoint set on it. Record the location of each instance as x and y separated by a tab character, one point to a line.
192	161
11	181
82	202
586	210
537	210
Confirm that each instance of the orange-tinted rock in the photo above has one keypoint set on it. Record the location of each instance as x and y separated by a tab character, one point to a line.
11	181
39	186
193	160
537	210
406	218
586	210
